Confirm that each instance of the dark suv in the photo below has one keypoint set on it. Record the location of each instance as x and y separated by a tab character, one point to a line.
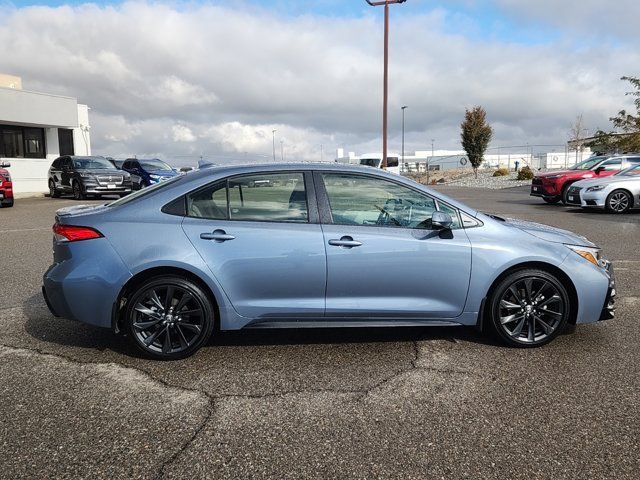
84	176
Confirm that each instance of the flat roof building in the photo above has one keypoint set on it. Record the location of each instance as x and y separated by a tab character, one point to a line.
35	129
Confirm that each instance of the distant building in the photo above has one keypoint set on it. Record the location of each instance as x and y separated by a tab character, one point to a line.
35	129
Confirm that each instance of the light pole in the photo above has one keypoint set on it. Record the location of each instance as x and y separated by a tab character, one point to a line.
282	150
432	141
403	109
273	132
385	89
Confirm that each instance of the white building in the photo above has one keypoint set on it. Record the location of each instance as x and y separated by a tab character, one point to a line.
35	129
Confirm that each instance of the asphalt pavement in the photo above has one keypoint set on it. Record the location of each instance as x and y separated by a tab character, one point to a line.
79	402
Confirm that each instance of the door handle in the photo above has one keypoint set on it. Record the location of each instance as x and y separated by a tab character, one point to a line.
345	242
218	236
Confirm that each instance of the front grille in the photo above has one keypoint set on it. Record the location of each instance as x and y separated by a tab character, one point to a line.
109	179
536	181
574	190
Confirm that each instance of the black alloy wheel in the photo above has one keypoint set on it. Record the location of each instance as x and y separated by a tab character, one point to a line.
529	308
565	193
53	191
169	317
619	201
78	194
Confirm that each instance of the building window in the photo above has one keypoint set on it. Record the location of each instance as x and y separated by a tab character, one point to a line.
65	141
22	142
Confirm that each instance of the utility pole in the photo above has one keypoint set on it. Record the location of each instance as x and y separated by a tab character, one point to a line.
282	150
403	109
273	132
321	152
385	88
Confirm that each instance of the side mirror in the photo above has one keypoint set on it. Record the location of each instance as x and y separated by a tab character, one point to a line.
5	164
441	221
599	169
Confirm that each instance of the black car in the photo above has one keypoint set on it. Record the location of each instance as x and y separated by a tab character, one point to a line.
85	176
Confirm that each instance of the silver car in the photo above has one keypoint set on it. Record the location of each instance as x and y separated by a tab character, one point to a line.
617	194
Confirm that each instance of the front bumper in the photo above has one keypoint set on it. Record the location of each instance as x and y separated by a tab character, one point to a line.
593	199
540	188
609	309
107	191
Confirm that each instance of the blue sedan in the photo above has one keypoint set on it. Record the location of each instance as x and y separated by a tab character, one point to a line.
314	245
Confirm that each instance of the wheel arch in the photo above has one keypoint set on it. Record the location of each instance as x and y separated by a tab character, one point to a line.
144	275
547	267
625	190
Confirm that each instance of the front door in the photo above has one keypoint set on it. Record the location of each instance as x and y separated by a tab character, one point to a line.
383	258
262	245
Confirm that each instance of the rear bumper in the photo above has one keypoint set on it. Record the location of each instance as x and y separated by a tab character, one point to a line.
84	282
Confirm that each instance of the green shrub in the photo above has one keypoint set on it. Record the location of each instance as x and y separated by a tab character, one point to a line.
525	173
501	172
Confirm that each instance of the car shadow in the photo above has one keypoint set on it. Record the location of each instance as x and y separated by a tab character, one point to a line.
41	325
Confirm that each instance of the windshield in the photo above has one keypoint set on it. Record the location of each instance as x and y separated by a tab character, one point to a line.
98	163
370	162
146	191
588	163
155	165
630	172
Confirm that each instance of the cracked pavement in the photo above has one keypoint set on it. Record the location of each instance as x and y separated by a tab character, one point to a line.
77	401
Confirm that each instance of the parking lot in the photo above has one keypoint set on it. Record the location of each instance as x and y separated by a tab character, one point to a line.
78	401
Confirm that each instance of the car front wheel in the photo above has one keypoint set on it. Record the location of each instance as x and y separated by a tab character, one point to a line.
169	317
619	201
529	308
53	191
551	200
78	194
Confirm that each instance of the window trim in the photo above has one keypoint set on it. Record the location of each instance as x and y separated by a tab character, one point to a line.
309	187
324	204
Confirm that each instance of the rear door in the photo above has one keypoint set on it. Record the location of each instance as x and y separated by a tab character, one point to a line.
383	258
260	236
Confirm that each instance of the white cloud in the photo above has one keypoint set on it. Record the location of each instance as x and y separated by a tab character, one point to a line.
181	82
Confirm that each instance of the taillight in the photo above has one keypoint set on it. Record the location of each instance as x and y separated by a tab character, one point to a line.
73	233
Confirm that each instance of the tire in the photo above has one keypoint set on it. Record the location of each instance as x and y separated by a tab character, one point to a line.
565	192
78	194
169	317
541	309
53	191
551	200
619	201
7	203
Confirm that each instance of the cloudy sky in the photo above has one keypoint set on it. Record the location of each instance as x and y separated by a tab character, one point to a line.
184	79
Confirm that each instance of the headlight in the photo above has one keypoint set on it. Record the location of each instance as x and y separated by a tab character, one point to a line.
154	177
551	177
596	188
86	175
591	254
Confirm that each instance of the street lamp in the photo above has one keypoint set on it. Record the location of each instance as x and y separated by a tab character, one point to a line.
403	109
273	132
432	141
385	89
282	150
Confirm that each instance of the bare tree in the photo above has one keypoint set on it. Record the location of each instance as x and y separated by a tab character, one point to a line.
576	138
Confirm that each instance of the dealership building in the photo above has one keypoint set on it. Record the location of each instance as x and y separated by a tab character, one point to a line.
35	129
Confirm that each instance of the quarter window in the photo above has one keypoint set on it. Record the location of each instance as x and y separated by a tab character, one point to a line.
363	200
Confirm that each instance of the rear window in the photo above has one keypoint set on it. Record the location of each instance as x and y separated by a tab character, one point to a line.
146	191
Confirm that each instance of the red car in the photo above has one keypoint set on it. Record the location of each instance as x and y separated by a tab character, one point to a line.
553	186
6	187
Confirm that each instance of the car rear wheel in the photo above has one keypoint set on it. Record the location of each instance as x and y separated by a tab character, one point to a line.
529	308
169	317
619	201
7	203
551	200
78	194
53	191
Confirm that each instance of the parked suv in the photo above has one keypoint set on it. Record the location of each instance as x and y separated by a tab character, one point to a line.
554	186
147	172
84	176
6	187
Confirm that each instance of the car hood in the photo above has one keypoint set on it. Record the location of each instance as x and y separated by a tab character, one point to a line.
602	181
98	171
548	233
553	173
162	173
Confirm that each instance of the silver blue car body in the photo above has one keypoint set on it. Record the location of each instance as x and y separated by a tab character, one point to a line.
277	274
